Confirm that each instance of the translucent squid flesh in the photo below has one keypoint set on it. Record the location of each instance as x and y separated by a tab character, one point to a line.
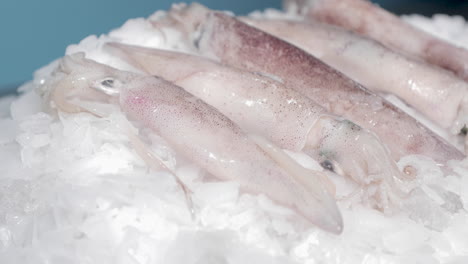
261	105
207	138
436	93
233	42
372	21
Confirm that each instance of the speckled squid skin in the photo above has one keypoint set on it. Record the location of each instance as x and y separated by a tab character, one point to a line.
435	92
264	106
257	103
214	142
365	18
236	43
192	127
204	136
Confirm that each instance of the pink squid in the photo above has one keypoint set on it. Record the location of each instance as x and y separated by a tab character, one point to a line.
224	38
434	92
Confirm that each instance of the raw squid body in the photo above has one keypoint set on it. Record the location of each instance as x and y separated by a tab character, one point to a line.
227	39
436	93
365	18
206	137
264	106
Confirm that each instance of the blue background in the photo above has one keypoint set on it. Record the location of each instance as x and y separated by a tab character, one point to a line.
35	32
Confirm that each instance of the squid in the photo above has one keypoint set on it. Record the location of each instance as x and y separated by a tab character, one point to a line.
434	92
264	106
230	41
365	18
204	136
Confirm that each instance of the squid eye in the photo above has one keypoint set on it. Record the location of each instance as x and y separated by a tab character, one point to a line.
108	86
464	131
108	83
328	165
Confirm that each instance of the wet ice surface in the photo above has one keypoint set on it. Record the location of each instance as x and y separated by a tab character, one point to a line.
72	190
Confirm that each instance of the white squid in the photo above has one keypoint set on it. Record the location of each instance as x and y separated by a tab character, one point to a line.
365	18
202	134
264	106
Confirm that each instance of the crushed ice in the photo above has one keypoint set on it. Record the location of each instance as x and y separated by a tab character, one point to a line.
72	190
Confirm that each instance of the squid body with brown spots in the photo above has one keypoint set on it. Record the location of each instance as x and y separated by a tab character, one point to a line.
264	106
230	41
436	93
206	137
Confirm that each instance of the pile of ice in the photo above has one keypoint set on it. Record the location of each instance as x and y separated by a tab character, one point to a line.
72	190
